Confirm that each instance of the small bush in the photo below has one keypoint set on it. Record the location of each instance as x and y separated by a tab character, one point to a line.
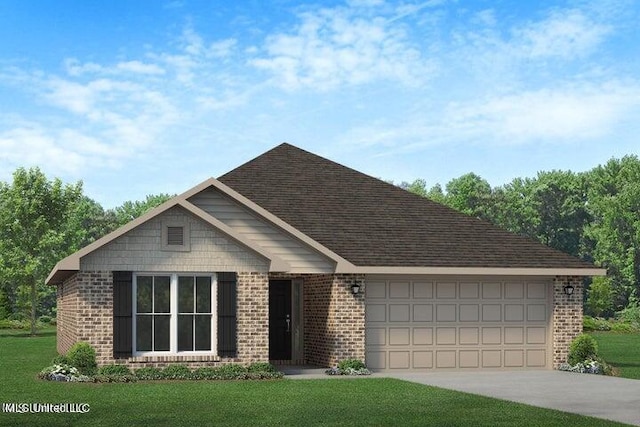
351	364
60	359
630	315
114	370
149	373
584	347
595	324
64	373
176	372
83	356
261	367
232	371
45	319
205	373
115	378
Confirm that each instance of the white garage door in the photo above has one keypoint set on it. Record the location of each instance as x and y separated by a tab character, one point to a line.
426	323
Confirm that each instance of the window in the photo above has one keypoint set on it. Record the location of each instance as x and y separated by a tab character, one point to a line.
174	313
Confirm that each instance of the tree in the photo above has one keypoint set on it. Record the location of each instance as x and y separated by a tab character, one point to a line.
33	232
132	210
600	297
468	194
614	203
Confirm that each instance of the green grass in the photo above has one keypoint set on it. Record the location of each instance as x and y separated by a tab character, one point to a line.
621	351
347	402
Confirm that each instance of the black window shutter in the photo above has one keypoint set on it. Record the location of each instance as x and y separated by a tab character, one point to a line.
227	325
122	311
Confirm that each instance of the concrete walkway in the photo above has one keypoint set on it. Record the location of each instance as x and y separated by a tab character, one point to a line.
616	399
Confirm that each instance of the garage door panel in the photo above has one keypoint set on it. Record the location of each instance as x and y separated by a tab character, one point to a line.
514	312
422	336
445	358
376	313
469	336
514	290
399	312
469	359
514	358
423	359
446	313
399	360
491	312
491	358
536	358
445	336
399	290
399	336
423	323
376	336
514	335
423	290
469	290
491	290
423	312
469	312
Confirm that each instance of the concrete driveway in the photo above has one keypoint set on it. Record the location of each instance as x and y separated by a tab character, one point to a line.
611	398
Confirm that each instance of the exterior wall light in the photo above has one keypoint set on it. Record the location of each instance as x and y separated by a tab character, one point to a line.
355	287
568	290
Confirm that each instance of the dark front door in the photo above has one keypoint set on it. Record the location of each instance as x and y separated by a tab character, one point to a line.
280	319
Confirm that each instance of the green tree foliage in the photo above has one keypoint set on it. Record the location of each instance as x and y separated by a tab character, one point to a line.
469	194
600	297
131	210
41	222
34	234
614	203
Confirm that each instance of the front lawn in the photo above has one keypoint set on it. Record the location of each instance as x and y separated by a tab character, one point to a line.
621	351
348	402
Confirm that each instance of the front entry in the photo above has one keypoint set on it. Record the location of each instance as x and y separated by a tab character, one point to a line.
280	326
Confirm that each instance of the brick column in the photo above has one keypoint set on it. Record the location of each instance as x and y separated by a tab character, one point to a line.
253	317
567	316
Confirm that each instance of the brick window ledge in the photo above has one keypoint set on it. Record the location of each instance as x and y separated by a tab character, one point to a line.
178	358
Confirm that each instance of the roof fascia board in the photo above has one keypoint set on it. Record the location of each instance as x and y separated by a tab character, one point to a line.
277	263
472	271
341	263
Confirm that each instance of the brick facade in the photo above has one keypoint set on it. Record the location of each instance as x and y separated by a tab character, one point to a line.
567	316
333	319
253	317
67	314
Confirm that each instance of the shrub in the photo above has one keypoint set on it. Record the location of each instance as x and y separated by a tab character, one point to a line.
83	356
595	324
114	370
45	319
261	367
115	378
631	315
149	373
232	371
60	359
351	364
583	347
176	372
205	373
63	372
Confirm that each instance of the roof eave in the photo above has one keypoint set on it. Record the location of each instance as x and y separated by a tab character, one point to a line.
476	271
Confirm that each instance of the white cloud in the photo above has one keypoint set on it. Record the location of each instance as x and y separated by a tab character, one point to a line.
564	34
140	67
334	47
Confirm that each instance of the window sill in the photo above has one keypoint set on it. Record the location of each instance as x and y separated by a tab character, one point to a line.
176	358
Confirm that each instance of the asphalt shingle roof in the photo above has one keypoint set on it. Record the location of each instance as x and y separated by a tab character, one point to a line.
372	223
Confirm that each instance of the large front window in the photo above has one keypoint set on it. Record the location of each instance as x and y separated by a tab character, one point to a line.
174	313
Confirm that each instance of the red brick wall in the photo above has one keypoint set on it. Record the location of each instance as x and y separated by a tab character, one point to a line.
67	314
567	316
333	319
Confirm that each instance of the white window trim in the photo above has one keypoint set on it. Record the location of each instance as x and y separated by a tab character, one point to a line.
173	322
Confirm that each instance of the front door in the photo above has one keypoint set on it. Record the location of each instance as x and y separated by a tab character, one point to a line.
280	320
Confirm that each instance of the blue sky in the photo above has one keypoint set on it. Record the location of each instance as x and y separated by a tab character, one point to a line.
142	97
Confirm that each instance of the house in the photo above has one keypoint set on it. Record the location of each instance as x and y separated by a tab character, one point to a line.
292	258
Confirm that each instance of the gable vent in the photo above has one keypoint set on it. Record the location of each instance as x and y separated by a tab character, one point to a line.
175	236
